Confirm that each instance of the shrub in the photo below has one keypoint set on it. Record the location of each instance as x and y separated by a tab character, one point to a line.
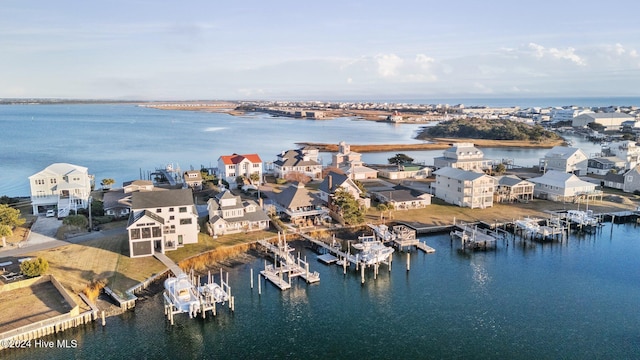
93	290
76	220
33	268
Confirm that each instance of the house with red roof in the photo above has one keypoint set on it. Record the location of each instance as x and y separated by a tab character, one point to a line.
232	166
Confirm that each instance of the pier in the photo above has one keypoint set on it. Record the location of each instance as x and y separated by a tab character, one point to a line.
472	237
285	265
531	228
401	236
185	293
368	257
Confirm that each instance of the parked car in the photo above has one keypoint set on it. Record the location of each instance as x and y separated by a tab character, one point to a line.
51	213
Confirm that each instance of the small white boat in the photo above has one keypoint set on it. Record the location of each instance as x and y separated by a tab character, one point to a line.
584	218
182	293
371	250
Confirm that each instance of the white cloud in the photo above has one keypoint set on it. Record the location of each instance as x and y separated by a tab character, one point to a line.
388	64
569	53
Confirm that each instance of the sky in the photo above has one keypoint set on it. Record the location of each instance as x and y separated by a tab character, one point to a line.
320	50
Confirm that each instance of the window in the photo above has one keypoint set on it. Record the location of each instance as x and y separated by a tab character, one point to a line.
158	211
53	181
179	239
156	231
170	209
183	209
146	233
256	165
172	217
185	221
135	234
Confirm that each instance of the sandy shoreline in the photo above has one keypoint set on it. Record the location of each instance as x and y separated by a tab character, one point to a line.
436	144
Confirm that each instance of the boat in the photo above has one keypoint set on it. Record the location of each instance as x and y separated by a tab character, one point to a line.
372	251
383	232
585	218
181	293
214	292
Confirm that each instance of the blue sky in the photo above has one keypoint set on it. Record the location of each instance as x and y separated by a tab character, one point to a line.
318	50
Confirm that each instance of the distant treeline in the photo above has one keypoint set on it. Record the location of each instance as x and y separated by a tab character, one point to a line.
491	129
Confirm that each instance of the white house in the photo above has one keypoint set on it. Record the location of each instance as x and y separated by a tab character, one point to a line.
193	179
565	159
229	214
627	150
464	188
561	186
161	221
464	156
511	188
350	163
232	166
304	160
63	186
404	198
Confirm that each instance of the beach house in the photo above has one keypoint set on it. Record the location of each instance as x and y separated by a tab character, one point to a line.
350	163
562	186
464	188
230	214
161	221
230	167
62	186
565	159
299	204
464	156
304	160
511	188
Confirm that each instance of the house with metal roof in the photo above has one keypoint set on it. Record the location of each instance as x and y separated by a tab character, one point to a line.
232	166
464	188
613	180
304	160
161	221
565	159
604	165
63	186
230	214
627	150
511	188
561	186
463	156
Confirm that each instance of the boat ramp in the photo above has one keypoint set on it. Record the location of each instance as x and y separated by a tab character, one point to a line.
285	265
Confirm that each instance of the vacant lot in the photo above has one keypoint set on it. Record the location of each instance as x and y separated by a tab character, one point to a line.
31	304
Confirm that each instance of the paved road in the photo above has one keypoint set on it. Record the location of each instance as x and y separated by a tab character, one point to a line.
42	237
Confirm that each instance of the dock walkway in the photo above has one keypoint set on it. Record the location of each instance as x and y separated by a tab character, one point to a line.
175	269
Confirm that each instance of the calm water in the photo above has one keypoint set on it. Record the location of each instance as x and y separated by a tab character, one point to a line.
124	142
576	300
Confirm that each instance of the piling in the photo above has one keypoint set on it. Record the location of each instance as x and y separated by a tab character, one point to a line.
252	278
104	322
259	286
408	261
362	274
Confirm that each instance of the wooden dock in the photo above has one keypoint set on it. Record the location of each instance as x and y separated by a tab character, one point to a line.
472	237
401	236
286	265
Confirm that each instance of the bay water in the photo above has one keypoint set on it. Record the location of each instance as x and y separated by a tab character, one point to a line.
577	299
573	300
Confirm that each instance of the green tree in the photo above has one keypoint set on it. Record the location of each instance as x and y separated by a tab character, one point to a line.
255	178
400	159
106	183
10	216
33	268
500	169
5	230
76	220
351	211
